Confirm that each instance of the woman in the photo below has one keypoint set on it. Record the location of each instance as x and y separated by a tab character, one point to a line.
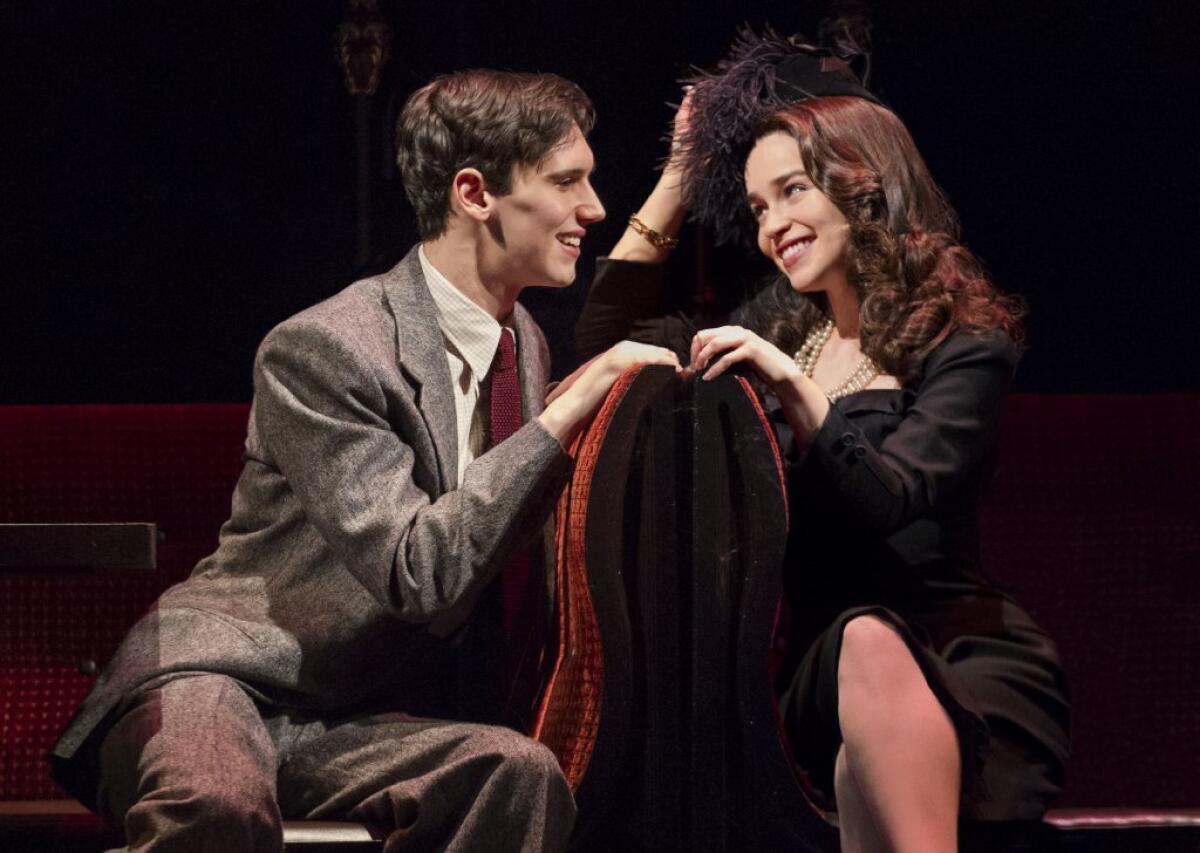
916	693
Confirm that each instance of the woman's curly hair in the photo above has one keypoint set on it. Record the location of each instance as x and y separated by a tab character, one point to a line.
915	281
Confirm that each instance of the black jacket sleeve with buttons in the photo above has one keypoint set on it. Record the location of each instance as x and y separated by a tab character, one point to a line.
934	463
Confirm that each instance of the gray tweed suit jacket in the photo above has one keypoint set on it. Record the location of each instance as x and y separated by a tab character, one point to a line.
350	542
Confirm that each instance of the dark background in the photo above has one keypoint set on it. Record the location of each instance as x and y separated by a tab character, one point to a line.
180	177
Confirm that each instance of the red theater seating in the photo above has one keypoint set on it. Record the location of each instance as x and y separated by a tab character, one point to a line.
174	466
1092	523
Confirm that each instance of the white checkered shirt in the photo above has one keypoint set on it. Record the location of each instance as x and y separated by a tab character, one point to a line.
471	336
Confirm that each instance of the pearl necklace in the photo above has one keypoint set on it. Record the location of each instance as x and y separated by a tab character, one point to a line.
806	359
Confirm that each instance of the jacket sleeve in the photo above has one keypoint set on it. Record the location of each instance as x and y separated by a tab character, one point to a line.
937	454
628	300
321	418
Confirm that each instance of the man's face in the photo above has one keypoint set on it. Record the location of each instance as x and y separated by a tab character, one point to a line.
540	224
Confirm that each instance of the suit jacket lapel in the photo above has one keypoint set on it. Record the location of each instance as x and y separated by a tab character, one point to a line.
531	363
422	356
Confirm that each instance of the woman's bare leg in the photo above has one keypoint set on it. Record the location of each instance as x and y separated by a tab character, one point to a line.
900	751
856	824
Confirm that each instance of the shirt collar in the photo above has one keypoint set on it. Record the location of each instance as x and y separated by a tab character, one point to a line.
467	327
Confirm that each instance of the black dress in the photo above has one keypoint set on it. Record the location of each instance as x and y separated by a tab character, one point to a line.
884	504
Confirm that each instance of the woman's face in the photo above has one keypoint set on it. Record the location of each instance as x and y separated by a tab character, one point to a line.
799	228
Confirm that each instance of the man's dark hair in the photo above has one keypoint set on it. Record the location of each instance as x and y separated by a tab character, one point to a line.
482	119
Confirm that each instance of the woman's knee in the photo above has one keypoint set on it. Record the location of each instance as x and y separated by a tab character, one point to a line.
872	651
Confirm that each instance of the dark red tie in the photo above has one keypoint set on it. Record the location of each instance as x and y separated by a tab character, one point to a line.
499	662
505	390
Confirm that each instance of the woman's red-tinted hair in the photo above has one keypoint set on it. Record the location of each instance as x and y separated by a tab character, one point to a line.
916	282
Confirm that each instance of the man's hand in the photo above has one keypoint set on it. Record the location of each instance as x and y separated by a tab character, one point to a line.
577	398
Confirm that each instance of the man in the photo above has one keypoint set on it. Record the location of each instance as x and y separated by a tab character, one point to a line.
359	566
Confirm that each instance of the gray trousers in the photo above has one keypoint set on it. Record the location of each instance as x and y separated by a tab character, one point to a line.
194	765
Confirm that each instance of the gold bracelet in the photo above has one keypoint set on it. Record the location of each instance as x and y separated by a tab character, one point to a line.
658	241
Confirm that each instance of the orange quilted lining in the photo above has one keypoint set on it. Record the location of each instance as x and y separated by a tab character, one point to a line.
568	717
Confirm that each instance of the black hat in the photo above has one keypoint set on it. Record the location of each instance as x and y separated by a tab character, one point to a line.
760	75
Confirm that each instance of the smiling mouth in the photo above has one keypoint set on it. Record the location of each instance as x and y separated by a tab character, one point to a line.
795	250
570	240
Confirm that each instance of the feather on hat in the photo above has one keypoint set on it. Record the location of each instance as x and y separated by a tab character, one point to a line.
761	74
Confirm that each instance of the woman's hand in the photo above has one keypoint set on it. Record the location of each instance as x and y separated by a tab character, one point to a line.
663	211
730	345
679	128
574	401
804	404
